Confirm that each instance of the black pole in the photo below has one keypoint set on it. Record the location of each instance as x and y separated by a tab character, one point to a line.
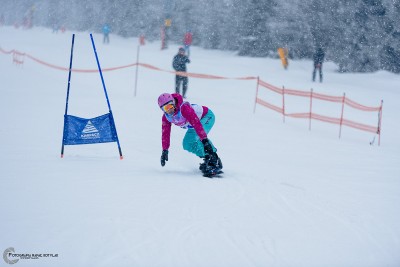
68	87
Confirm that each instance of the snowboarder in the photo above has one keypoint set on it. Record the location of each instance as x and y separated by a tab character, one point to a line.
198	120
179	64
318	57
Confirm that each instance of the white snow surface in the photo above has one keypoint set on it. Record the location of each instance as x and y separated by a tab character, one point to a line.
288	197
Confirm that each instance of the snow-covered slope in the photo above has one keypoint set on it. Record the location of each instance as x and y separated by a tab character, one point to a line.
289	196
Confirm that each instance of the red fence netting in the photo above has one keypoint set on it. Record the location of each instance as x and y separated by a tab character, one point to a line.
312	115
18	58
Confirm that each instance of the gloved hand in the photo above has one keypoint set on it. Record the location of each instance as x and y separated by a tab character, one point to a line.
164	157
207	146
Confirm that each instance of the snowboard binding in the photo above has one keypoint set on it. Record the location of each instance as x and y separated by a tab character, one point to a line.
212	166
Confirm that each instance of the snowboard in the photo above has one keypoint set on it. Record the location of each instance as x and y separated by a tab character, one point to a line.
215	173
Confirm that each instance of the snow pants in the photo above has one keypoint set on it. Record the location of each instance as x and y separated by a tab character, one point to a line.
187	50
181	80
192	142
106	38
317	67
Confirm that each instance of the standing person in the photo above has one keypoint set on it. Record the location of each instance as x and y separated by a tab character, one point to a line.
106	32
187	42
198	120
179	64
55	26
142	40
318	58
283	54
2	20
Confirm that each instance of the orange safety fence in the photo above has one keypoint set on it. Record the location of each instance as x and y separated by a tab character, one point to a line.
18	58
270	86
311	115
148	66
268	105
361	107
195	75
16	54
6	52
78	70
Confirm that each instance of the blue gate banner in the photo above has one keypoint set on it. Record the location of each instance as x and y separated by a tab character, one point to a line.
78	131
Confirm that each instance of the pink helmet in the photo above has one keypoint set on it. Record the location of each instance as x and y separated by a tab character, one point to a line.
164	99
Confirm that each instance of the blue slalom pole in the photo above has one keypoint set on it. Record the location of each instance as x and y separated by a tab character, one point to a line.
105	92
101	73
66	102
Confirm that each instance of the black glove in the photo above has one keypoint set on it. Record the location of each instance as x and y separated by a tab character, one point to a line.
164	157
207	146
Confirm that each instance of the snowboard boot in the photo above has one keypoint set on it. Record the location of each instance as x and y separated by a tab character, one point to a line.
203	165
211	163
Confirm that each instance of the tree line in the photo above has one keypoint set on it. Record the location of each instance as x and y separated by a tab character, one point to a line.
358	35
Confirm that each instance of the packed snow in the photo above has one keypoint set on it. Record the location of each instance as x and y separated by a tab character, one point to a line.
289	196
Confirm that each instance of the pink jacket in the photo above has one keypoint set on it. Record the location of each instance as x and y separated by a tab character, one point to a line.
185	116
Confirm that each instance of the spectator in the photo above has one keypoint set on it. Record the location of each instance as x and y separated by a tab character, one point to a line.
55	27
318	58
283	54
106	32
179	64
187	42
2	20
142	40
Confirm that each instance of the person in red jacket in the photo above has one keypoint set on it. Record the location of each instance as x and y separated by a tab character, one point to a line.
187	42
198	120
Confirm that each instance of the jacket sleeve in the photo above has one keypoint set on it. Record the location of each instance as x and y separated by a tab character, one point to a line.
189	113
165	133
175	63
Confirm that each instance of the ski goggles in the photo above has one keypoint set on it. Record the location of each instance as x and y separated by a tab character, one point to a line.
167	108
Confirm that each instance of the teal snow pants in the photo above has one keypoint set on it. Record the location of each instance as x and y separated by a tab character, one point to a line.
191	141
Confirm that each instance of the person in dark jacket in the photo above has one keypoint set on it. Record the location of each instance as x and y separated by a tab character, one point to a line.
318	58
179	64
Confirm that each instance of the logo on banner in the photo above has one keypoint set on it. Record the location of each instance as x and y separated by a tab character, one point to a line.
90	132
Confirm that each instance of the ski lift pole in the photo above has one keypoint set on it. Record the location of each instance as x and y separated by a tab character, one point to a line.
66	102
105	92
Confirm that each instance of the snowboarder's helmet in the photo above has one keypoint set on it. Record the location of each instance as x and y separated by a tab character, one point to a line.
181	49
165	98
